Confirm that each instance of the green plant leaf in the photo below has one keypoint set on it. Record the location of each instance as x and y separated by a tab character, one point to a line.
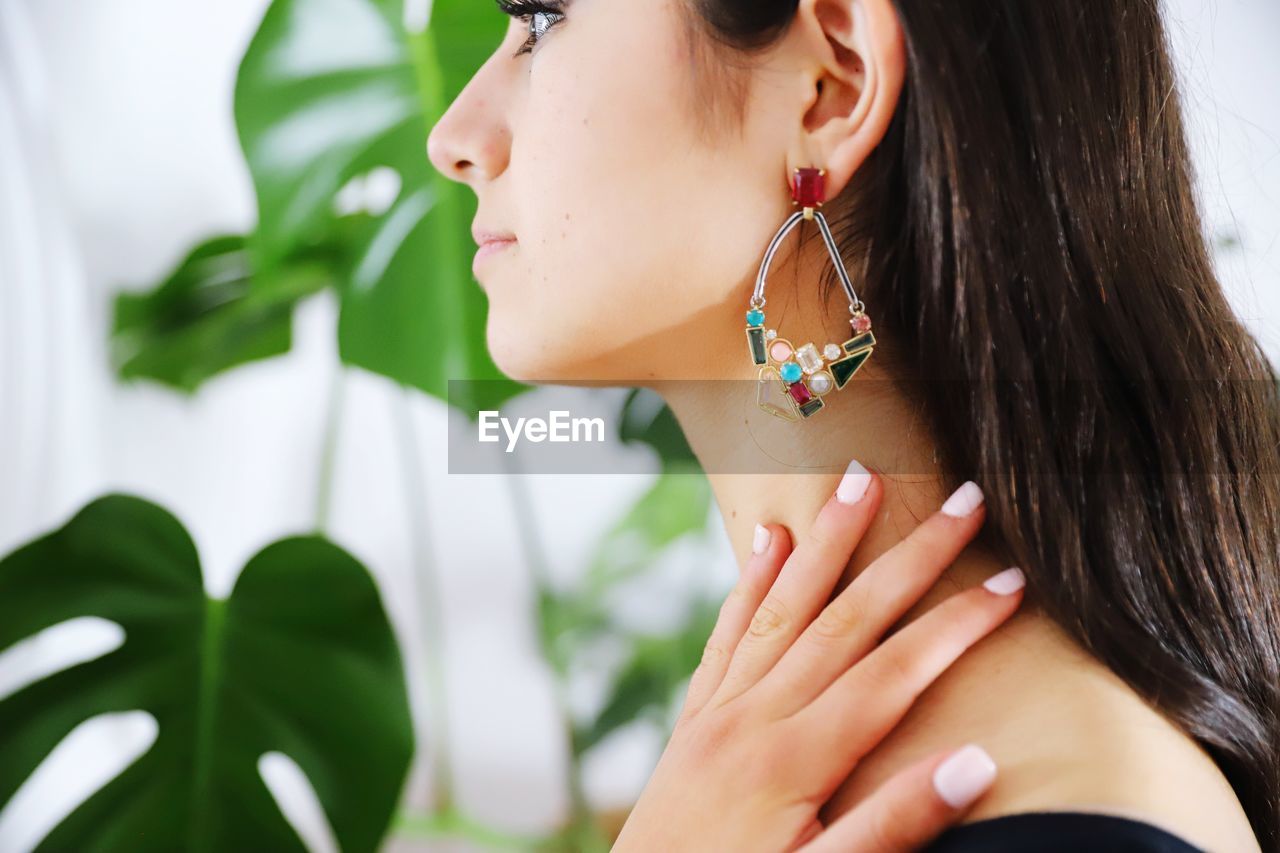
299	660
646	419
567	621
646	684
206	317
331	90
675	505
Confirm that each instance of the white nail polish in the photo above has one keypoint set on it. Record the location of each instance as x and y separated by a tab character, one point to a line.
964	775
760	541
854	483
963	500
1007	582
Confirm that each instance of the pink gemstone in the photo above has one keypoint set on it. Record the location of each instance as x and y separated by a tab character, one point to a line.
861	323
808	187
780	351
799	392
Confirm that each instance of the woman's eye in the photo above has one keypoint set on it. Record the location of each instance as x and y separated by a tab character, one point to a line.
539	23
540	15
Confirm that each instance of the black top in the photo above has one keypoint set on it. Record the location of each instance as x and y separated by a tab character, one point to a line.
1059	832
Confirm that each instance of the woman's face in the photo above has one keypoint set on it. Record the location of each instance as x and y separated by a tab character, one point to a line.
636	241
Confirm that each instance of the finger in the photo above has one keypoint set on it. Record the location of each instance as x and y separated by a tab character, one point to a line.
805	582
865	703
769	551
913	807
853	622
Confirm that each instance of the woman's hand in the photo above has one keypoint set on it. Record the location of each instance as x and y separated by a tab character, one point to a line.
784	704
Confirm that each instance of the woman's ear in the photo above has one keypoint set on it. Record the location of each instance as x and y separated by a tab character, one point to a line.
854	54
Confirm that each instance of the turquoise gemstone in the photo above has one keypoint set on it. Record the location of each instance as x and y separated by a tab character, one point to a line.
755	317
790	372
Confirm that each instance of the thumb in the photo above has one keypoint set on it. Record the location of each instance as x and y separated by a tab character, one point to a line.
912	807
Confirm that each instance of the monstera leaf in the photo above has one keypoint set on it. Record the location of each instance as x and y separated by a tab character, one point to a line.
330	94
334	90
206	317
299	660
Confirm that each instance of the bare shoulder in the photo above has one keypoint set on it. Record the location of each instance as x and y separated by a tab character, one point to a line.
1067	734
1096	745
1136	765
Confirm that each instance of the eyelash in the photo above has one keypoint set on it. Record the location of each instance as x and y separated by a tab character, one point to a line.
525	10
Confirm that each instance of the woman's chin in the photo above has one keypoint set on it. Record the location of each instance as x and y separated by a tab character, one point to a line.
527	352
526	357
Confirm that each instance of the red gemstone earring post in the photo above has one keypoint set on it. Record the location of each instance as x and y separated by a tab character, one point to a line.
793	381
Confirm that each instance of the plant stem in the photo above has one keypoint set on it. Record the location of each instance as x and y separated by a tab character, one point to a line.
427	596
329	449
582	825
199	831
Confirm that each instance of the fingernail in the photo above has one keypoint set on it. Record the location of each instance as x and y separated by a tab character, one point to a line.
963	500
854	483
1007	582
964	775
760	541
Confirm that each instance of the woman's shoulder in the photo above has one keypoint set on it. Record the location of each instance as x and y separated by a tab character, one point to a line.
1117	776
1076	750
1124	778
1054	831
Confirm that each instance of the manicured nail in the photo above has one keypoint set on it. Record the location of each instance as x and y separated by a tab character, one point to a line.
1007	582
964	775
854	483
963	500
760	541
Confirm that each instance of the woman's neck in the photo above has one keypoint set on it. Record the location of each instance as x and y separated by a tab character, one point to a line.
765	469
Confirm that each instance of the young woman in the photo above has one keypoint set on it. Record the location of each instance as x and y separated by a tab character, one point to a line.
1009	184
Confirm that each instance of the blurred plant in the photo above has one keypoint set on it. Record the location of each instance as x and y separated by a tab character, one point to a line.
334	101
207	317
676	506
315	676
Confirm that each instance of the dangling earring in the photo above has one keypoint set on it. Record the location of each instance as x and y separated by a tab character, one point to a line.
793	381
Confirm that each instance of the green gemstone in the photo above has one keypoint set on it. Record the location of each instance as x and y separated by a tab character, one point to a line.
844	369
862	341
755	339
812	406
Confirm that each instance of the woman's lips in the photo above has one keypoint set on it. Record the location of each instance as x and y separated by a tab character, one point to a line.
491	247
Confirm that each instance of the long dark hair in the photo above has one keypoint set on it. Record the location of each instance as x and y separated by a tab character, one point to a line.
1035	242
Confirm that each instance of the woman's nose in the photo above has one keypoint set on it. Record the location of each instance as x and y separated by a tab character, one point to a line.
471	141
445	152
